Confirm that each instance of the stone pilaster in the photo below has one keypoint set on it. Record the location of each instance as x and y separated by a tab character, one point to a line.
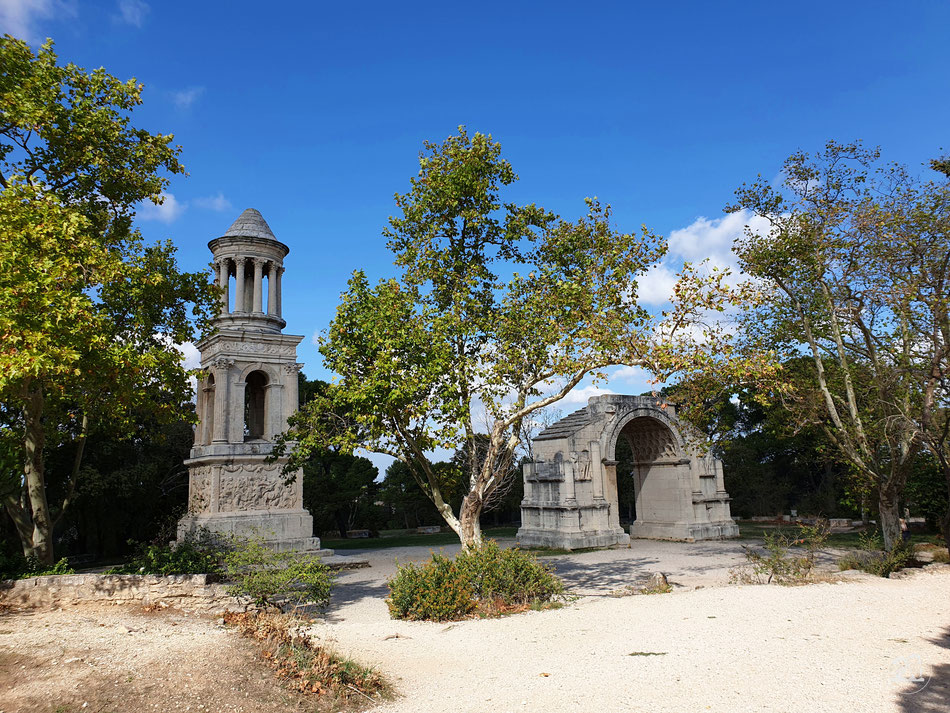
222	377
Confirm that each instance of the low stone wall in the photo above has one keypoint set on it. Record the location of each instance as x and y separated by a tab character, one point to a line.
188	592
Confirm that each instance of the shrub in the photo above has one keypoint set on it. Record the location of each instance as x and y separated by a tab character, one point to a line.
872	559
777	564
306	666
273	578
16	566
488	579
193	556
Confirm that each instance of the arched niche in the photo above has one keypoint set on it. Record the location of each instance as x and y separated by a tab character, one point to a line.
255	405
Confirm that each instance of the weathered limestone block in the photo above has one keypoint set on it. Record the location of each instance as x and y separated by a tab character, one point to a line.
571	498
191	592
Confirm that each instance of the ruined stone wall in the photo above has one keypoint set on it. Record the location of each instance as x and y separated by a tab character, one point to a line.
188	592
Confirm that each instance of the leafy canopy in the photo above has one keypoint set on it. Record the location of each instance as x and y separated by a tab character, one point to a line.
499	310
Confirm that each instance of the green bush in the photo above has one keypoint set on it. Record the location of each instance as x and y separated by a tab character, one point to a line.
488	579
437	590
871	558
274	578
199	556
776	563
16	566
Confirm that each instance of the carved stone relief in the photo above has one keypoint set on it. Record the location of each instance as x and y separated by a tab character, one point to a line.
254	487
650	440
199	500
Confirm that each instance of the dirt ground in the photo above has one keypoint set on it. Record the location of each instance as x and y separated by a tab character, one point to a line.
857	645
118	659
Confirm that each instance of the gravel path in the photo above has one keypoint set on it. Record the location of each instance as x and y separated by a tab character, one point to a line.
707	646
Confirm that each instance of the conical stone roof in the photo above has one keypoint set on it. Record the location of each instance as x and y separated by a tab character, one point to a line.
250	224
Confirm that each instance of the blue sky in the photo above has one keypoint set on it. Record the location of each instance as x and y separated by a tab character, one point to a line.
314	113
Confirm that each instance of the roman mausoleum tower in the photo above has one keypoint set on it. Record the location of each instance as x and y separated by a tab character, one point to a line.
247	392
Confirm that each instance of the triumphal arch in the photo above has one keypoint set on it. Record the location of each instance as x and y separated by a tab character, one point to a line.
571	487
247	391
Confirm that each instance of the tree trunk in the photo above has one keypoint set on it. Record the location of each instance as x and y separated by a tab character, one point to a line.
945	520
471	530
341	523
40	544
890	518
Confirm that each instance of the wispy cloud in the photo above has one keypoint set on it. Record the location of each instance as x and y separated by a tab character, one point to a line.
217	203
19	17
703	239
579	396
184	98
168	211
133	12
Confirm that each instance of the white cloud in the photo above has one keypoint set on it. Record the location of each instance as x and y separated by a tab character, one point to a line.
218	203
703	239
184	98
579	395
656	286
191	355
713	239
630	373
18	17
133	12
167	212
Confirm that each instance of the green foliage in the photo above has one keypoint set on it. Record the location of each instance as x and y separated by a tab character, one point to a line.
777	562
273	578
88	311
128	490
201	556
850	258
340	491
435	591
872	559
488	579
494	303
16	566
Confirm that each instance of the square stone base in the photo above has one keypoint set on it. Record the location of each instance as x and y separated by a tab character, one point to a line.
281	530
572	540
687	532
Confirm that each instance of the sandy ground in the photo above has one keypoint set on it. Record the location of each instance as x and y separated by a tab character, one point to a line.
110	659
708	646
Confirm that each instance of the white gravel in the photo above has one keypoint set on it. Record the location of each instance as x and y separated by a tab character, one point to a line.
711	646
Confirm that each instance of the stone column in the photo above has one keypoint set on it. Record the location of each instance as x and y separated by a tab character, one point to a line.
291	391
597	470
272	289
258	306
279	312
240	300
613	495
570	476
274	423
206	414
222	378
236	430
223	275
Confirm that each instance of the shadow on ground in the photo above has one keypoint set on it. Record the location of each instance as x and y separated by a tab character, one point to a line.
354	589
934	696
